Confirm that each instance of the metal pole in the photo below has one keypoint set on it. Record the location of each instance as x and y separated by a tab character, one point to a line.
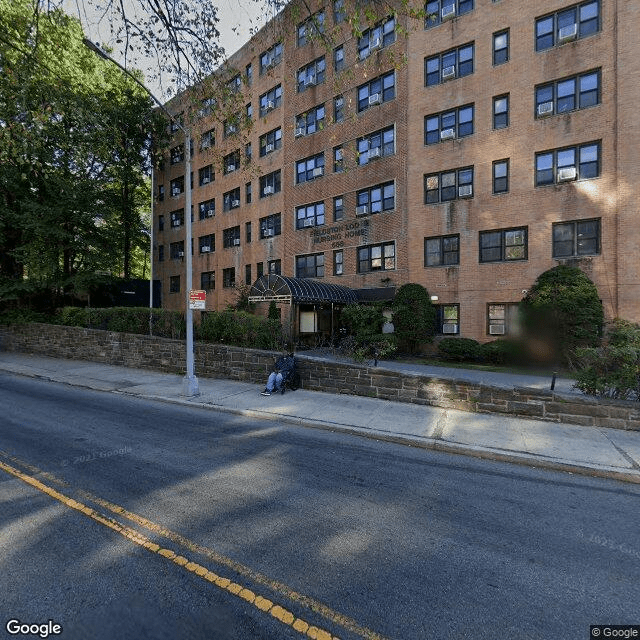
151	249
190	382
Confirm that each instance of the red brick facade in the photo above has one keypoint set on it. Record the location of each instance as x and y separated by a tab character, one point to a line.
496	244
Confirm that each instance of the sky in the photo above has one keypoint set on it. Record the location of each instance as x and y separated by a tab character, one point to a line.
237	17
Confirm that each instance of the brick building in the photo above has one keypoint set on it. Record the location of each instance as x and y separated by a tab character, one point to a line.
467	150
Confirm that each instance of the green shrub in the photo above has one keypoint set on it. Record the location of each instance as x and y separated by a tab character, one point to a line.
613	369
23	316
241	329
414	316
562	311
503	352
459	349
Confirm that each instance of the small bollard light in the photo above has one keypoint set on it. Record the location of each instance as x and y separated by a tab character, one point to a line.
553	381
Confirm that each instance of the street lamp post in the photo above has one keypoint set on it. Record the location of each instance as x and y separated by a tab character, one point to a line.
190	382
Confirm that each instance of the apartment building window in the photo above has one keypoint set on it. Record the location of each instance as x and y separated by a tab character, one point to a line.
338	108
248	112
259	269
338	58
177	186
248	193
502	319
568	94
248	75
161	253
206	175
455	63
207	139
274	267
271	226
160	192
338	208
380	36
501	176
310	168
174	284
442	251
377	257
310	28
501	112
270	100
577	21
270	142
270	58
376	199
448	185
176	250
247	232
235	83
270	184
207	243
177	218
231	237
376	145
248	151
310	121
206	107
231	162
576	238
207	209
439	11
310	266
231	199
176	154
229	278
454	123
311	74
247	274
571	163
160	223
501	47
338	159
310	215
503	245
208	280
339	12
448	319
230	126
338	263
376	91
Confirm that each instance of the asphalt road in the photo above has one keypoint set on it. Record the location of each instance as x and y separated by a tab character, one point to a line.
351	537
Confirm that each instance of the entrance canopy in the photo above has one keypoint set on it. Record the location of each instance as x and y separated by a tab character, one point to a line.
298	290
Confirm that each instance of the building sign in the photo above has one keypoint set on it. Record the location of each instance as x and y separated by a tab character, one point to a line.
197	299
338	233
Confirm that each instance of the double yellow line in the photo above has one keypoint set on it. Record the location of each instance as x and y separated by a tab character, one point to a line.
265	605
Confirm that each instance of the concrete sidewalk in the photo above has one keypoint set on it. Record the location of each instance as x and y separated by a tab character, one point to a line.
596	451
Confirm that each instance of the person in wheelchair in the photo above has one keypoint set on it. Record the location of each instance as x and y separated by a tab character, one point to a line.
283	374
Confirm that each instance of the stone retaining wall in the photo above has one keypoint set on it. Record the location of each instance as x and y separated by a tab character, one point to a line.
250	365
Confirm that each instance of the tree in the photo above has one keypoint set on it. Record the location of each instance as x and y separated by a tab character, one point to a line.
562	311
414	315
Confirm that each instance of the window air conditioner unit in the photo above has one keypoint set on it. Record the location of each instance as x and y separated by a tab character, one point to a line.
449	73
231	167
175	223
175	192
376	98
308	222
267	233
270	106
210	213
205	144
568	173
376	43
180	254
449	12
465	191
567	33
206	180
268	190
545	109
362	210
376	152
236	241
447	134
318	171
496	330
310	81
449	328
299	131
235	204
205	249
268	148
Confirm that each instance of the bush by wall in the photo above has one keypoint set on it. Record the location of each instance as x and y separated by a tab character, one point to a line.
241	329
459	349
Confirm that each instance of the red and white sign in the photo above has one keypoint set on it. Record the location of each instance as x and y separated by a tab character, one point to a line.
197	299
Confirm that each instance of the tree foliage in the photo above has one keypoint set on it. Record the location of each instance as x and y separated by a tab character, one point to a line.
414	315
73	147
562	311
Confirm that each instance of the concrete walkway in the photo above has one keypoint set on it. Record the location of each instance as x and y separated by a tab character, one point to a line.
595	451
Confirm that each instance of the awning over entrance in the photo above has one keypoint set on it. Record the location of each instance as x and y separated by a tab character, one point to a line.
298	290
